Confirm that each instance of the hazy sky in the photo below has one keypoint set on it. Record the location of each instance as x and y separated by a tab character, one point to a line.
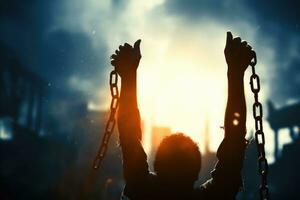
182	75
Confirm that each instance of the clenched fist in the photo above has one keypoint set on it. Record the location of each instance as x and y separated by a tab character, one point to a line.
238	55
126	59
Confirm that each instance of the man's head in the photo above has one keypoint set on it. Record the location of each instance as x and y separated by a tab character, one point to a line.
178	159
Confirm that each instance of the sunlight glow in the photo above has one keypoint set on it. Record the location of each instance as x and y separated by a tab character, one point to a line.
182	75
184	87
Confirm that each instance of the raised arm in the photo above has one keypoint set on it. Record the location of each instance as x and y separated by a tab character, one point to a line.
238	56
126	61
227	174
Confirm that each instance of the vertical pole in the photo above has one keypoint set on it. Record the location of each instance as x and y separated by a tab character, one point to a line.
276	153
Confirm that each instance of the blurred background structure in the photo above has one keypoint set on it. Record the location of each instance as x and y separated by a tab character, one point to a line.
54	95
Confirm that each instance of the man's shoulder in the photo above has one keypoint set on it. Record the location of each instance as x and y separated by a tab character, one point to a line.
142	188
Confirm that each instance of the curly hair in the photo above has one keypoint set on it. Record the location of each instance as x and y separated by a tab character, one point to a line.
178	158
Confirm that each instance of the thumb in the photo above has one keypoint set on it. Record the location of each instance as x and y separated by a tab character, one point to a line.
137	45
229	37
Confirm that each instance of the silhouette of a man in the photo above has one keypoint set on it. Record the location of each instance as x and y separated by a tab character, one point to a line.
178	160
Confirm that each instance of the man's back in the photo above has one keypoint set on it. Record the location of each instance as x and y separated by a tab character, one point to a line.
142	184
152	189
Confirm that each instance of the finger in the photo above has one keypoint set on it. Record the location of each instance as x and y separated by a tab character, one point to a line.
244	43
113	62
236	41
117	52
137	45
114	56
250	56
126	45
229	37
248	47
121	47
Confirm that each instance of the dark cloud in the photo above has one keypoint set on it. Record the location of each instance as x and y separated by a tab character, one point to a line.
283	13
68	53
55	55
280	21
17	10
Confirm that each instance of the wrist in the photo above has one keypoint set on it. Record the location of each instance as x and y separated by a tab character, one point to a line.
129	80
233	74
129	76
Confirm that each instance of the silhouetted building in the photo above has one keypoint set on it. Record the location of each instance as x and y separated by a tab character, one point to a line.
283	175
209	158
48	140
21	97
284	117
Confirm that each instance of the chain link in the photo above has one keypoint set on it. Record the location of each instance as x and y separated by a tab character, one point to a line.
110	125
259	134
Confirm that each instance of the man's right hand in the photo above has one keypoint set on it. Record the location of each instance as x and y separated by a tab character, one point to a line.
126	59
238	55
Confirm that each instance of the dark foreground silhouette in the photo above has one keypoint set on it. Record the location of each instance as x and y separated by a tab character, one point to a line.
178	160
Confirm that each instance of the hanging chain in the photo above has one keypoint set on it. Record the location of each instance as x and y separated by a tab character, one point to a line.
259	134
110	125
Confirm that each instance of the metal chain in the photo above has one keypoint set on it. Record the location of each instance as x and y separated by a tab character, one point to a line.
110	125
259	134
